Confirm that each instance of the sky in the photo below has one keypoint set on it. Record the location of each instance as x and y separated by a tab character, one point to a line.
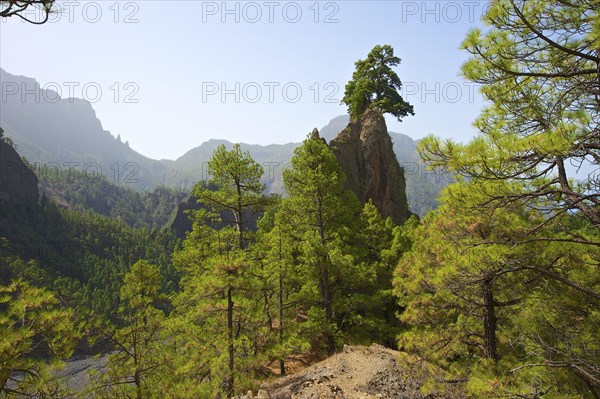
167	75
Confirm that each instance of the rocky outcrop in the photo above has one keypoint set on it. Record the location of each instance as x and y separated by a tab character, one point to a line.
182	223
365	153
18	183
358	372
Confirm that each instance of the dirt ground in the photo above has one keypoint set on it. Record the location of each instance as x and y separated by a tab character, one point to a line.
356	373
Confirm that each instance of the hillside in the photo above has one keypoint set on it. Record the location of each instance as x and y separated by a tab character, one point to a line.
274	158
300	270
18	183
422	186
82	192
65	133
357	372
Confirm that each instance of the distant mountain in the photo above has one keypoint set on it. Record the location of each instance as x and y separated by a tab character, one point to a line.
422	186
58	133
63	133
274	158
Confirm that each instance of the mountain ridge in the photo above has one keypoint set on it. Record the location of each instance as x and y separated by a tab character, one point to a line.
68	134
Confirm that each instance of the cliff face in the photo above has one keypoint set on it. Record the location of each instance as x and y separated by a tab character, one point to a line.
48	128
365	153
18	183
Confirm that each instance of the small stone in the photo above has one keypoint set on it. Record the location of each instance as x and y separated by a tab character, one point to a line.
262	394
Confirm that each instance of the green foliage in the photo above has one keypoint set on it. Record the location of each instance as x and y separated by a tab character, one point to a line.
94	193
374	84
501	287
338	259
317	272
141	287
222	300
219	298
325	265
32	326
137	368
279	280
220	306
381	243
323	215
537	67
82	257
239	191
500	314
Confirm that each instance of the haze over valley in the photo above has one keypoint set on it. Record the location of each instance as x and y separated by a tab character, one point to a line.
300	200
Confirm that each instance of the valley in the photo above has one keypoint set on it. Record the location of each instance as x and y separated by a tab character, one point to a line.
346	261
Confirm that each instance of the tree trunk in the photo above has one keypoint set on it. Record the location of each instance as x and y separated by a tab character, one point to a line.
138	385
137	380
282	366
325	286
230	379
489	322
239	214
240	228
281	335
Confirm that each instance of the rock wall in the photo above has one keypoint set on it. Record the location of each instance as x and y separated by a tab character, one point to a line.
365	153
18	183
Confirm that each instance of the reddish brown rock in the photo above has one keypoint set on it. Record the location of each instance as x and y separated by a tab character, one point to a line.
365	153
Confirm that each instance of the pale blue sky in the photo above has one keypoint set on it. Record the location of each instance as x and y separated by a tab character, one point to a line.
175	57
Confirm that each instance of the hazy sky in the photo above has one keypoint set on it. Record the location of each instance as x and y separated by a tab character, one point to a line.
167	75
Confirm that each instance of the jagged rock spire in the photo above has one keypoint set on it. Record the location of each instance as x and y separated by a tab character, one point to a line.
364	151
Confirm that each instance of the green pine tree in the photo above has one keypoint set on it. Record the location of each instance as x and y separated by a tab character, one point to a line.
137	369
323	216
33	325
375	85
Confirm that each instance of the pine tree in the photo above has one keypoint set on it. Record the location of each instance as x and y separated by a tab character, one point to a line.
496	313
279	278
239	195
379	244
537	64
32	325
323	216
375	85
219	286
220	296
137	368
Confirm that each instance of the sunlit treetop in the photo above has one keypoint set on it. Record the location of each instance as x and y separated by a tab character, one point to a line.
375	85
